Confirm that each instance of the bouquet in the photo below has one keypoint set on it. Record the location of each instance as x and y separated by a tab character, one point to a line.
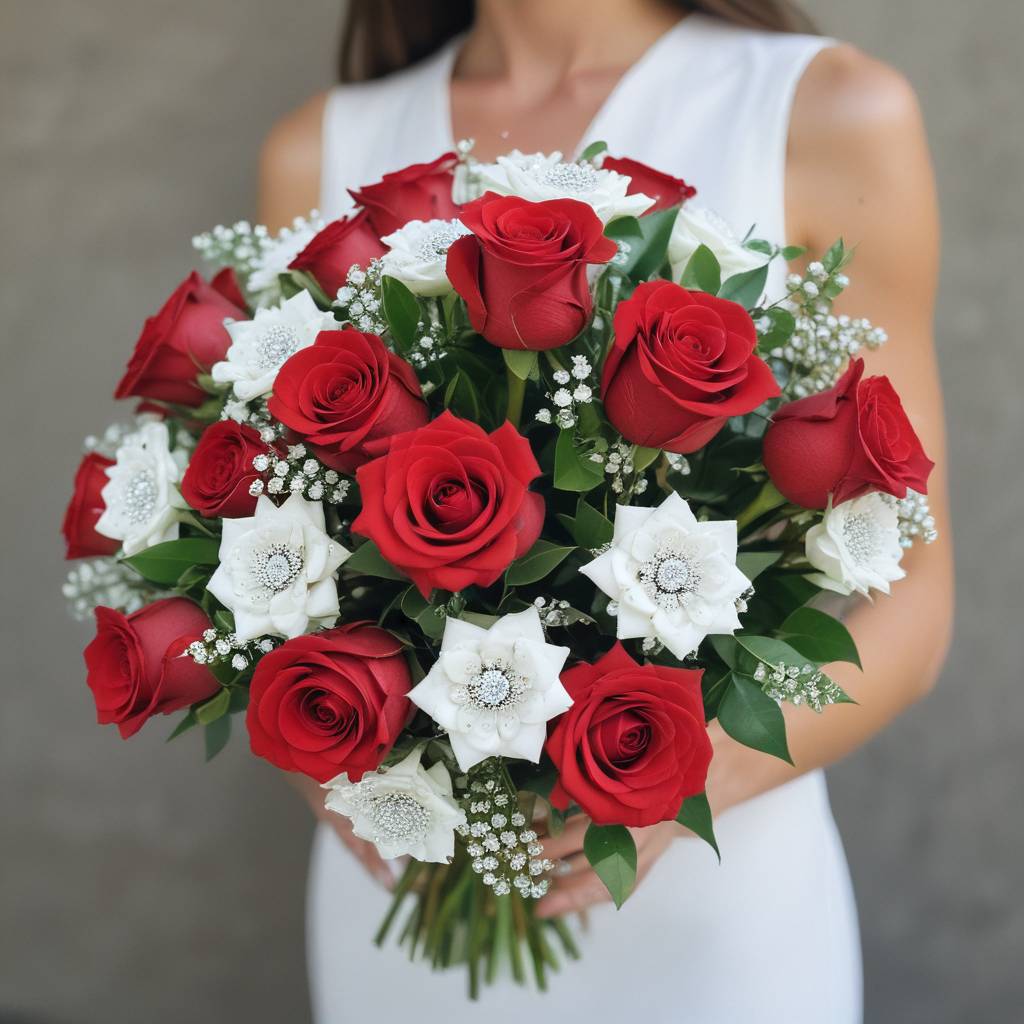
478	504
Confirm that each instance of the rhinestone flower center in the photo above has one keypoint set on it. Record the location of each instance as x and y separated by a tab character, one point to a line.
669	578
276	343
496	686
576	178
138	500
436	244
277	567
398	818
860	535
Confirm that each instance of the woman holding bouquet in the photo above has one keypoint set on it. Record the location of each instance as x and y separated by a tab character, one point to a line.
811	140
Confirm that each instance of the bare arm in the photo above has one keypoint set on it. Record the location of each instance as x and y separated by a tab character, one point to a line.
859	168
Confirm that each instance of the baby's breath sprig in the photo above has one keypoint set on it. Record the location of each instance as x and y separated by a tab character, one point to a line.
297	472
218	646
108	582
359	299
798	684
566	402
916	521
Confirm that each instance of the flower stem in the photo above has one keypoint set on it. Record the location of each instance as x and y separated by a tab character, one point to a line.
516	394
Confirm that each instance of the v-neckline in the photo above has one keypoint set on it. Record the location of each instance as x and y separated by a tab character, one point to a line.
449	54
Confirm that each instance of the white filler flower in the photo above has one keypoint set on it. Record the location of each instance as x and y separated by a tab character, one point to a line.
417	254
278	569
494	689
405	810
260	347
674	578
277	252
537	177
141	496
696	226
857	546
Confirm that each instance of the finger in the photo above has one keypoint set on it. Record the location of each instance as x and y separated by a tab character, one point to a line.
574	894
569	842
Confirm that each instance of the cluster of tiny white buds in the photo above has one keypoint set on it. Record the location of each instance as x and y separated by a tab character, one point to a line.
678	463
218	646
504	849
573	389
104	581
743	600
296	472
254	413
554	613
652	646
429	346
359	298
107	443
916	521
821	343
618	464
621	256
798	684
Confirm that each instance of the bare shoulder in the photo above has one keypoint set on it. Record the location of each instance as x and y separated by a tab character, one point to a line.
290	164
857	145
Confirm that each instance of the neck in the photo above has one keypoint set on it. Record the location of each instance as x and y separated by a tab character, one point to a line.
552	39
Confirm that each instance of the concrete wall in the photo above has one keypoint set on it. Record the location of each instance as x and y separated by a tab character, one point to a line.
137	884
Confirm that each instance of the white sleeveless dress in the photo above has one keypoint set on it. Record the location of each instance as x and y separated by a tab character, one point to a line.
769	935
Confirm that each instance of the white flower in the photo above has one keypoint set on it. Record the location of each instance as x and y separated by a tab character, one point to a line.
259	347
696	226
538	176
856	546
277	253
405	810
141	498
493	689
278	569
674	578
417	253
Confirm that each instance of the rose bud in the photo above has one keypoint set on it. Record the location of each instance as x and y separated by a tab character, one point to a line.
417	192
448	504
331	253
219	474
330	702
183	340
137	667
664	189
681	364
847	441
345	391
523	270
85	508
634	744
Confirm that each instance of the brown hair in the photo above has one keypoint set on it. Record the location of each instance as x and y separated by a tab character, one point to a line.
380	36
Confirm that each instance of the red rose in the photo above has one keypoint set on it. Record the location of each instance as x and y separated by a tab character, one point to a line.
330	702
681	364
343	391
668	191
448	504
847	441
85	508
183	340
136	665
331	253
417	192
634	744
216	482
523	270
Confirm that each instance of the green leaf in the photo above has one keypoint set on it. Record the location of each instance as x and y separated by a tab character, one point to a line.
543	558
367	560
612	854
416	607
793	252
759	245
573	472
703	271
771	651
647	241
835	257
460	396
188	722
590	529
752	718
819	636
224	620
522	363
783	324
401	310
643	457
725	647
745	288
695	814
753	563
217	734
594	149
214	708
165	563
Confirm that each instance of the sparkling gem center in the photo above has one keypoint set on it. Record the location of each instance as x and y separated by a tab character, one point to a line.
669	578
399	818
139	497
576	178
861	536
496	686
672	575
275	345
436	244
279	567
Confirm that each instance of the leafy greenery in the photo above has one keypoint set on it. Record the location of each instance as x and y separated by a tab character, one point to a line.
611	852
695	814
542	559
165	563
752	718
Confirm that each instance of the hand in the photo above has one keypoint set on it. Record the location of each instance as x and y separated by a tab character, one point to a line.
579	887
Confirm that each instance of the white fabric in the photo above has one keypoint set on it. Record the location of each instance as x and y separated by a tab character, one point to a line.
770	935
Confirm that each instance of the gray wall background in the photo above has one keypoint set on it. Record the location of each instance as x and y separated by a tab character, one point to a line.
136	883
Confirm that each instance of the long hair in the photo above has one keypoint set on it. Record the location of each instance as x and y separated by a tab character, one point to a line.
381	36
